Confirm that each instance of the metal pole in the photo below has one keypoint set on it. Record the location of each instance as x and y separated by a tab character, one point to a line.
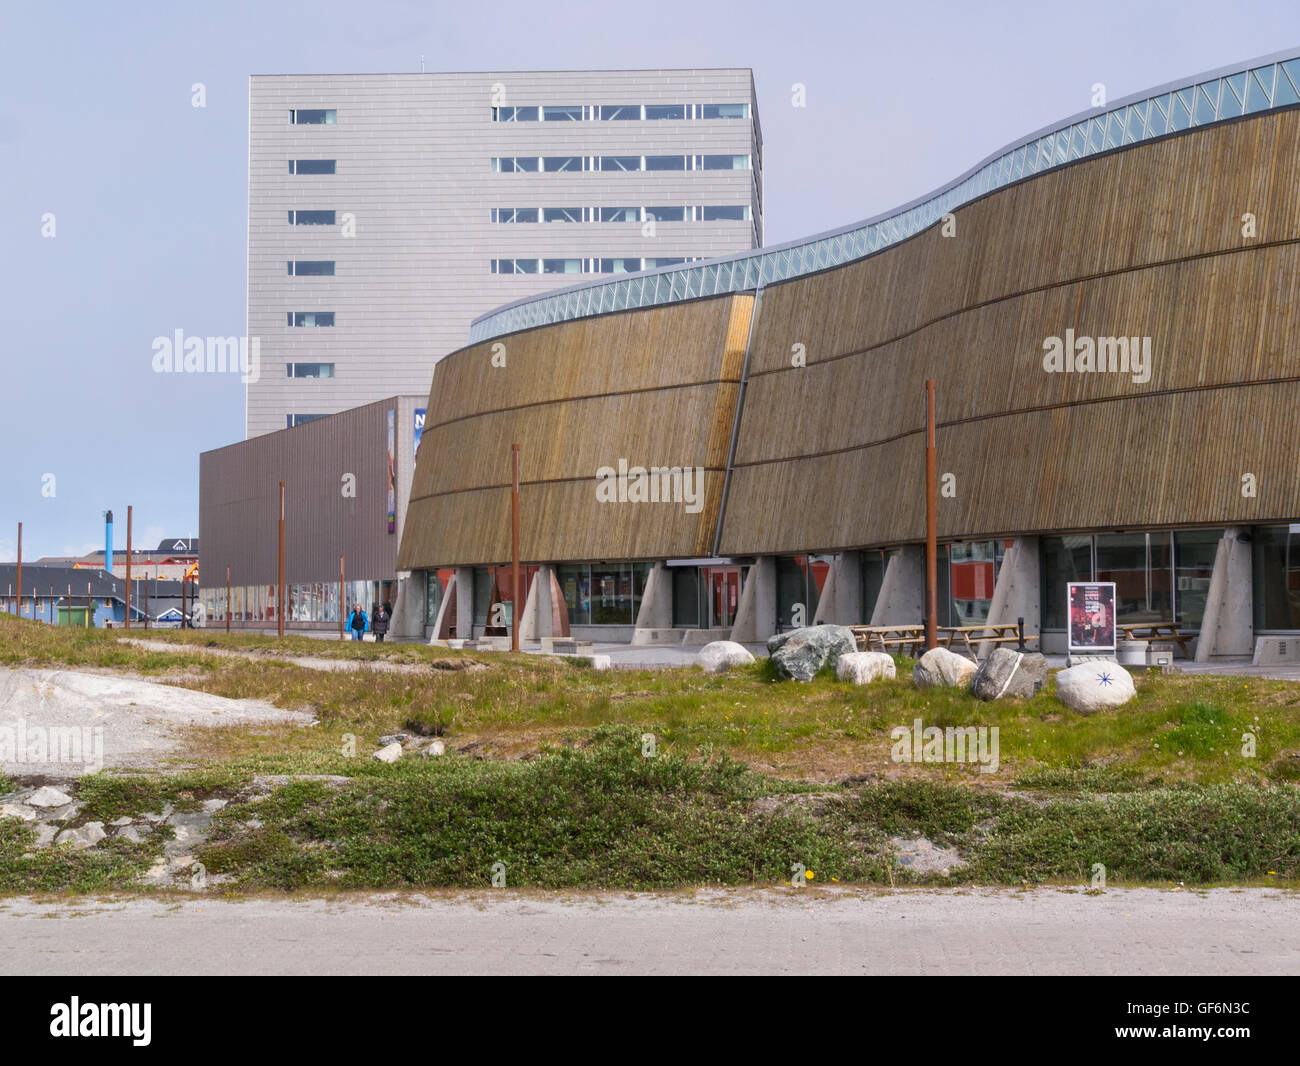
128	567
516	610
931	524
227	599
279	592
19	602
89	608
343	595
69	603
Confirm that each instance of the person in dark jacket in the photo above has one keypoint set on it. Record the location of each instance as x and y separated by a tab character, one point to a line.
358	623
380	624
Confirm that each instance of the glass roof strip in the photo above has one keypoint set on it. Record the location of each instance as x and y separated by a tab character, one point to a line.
1259	89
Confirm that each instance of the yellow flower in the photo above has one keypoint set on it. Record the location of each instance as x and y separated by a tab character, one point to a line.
808	874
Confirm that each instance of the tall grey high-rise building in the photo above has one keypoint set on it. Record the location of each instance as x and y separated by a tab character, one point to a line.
386	211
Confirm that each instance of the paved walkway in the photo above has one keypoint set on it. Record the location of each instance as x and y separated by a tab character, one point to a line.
778	931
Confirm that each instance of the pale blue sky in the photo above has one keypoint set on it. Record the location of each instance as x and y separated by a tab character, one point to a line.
150	193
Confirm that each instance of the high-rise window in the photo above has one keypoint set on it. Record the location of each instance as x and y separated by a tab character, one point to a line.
311	218
310	318
313	117
311	166
299	420
309	370
311	267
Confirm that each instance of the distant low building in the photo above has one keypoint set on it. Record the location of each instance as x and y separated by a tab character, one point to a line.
61	595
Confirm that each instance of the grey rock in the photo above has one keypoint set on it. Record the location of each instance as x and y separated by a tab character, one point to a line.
48	796
159	816
86	836
1006	673
190	827
119	822
800	653
14	810
719	656
265	784
134	833
213	805
922	856
435	748
394	738
45	835
1095	686
940	667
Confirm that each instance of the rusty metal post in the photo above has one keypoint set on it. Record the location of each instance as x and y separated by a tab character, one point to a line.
227	599
127	623
343	596
18	603
516	612
279	592
89	607
931	524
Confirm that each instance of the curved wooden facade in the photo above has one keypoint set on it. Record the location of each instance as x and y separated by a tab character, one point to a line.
1146	241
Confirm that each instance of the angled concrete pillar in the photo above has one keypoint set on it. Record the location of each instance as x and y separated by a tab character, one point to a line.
539	618
656	610
446	611
756	611
1228	626
464	602
841	598
902	592
1017	592
408	606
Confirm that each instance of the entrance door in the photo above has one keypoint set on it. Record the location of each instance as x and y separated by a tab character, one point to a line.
724	595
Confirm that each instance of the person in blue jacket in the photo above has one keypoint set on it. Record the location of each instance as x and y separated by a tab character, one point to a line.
358	623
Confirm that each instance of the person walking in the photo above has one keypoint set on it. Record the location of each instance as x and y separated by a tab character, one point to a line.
358	623
380	624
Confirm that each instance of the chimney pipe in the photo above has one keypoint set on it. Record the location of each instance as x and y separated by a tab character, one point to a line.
108	541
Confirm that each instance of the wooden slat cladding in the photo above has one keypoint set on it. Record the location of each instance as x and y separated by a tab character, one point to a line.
1145	242
1150	203
1174	459
654	388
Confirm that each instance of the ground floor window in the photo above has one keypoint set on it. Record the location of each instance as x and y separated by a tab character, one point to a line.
1275	552
1159	577
603	594
800	580
872	574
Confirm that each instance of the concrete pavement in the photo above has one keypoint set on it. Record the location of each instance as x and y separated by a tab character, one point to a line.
743	931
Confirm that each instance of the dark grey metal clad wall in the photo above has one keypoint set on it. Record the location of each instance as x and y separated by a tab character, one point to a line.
239	491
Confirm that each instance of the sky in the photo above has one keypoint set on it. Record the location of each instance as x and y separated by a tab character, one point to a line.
123	207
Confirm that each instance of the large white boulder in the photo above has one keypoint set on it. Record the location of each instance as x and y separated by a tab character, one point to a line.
721	655
862	667
941	668
800	653
1095	686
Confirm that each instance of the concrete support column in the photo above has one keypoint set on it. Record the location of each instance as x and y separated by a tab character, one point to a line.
446	610
537	621
1228	626
464	602
656	610
408	606
1018	590
902	592
756	612
841	598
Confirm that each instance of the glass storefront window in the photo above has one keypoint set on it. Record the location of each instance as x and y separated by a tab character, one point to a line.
1275	552
872	567
1140	566
686	597
1194	552
972	573
800	580
1062	560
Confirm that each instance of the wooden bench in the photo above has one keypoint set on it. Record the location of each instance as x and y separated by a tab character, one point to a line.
1158	633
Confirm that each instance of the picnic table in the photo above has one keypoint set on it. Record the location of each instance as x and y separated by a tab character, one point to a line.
985	633
883	638
1159	632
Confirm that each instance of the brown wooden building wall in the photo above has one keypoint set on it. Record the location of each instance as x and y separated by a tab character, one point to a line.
1145	241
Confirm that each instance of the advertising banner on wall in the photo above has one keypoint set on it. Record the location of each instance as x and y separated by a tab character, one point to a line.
419	428
1092	616
392	473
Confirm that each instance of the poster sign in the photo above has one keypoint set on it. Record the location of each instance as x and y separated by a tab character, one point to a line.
392	473
419	428
1092	616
